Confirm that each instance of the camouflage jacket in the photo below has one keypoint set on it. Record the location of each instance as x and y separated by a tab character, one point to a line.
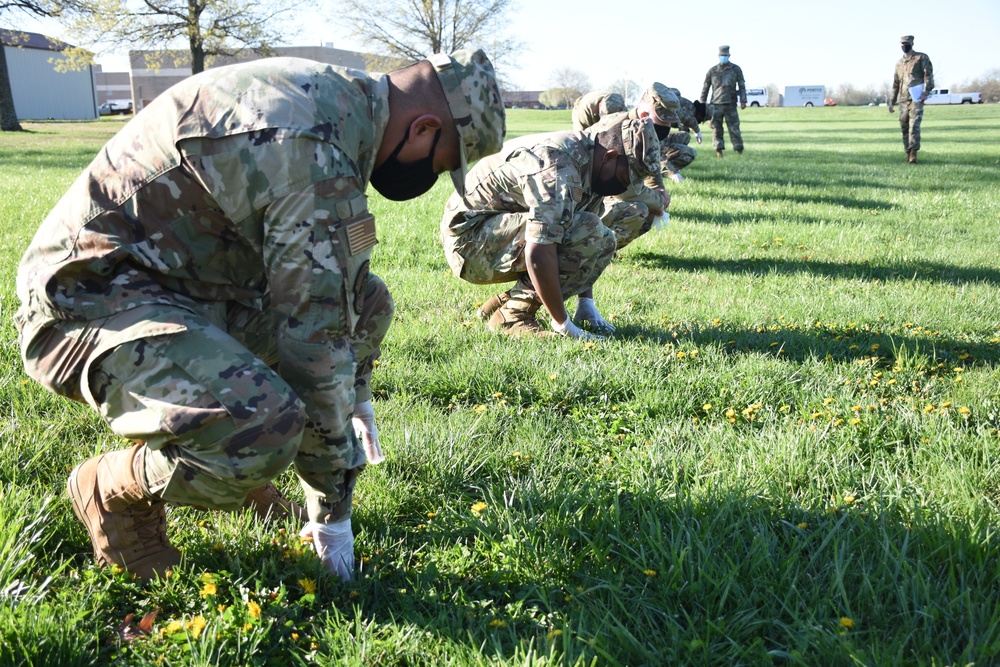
587	110
546	176
646	191
726	83
913	68
686	114
227	187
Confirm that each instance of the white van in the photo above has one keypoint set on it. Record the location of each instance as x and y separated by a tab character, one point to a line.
756	97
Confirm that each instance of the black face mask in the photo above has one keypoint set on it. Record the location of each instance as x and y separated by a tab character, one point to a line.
661	131
608	187
906	48
398	181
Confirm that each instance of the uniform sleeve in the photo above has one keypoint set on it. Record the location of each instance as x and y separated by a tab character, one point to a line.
312	274
552	191
928	74
895	86
706	86
741	85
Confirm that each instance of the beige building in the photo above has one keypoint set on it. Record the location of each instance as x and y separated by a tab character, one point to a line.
155	71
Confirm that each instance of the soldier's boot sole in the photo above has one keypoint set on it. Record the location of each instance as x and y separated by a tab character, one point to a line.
131	532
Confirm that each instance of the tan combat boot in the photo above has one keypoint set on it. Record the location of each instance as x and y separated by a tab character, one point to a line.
911	157
516	317
268	503
127	525
486	310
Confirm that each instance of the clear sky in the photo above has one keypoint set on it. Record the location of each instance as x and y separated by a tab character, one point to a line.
783	42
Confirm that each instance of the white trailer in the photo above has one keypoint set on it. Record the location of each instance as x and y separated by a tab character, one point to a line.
803	96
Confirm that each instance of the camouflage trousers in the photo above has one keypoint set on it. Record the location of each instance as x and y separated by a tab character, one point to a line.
493	252
728	113
910	116
200	390
678	153
627	220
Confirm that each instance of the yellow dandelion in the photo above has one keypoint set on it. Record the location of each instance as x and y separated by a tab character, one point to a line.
928	408
480	408
174	626
247	626
295	636
695	420
253	609
553	376
479	507
849	500
784	408
431	515
964	411
553	634
730	413
196	625
589	345
308	585
706	407
498	623
846	622
803	525
649	573
681	355
221	608
498	394
354	595
219	546
828	401
313	646
208	589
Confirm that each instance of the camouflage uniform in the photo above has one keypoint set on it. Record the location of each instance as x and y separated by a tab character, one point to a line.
728	91
204	283
536	189
677	151
628	214
912	69
588	109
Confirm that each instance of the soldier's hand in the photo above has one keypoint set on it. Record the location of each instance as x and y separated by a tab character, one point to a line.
890	108
698	137
367	432
334	544
570	330
743	105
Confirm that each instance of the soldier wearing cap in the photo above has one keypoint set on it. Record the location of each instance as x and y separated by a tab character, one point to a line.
913	69
676	150
591	107
204	286
725	80
529	217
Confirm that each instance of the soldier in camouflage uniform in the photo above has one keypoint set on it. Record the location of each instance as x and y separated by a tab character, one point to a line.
913	69
725	80
632	213
677	152
588	109
204	285
529	217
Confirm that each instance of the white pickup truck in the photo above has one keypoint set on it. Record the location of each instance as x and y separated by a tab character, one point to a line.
942	96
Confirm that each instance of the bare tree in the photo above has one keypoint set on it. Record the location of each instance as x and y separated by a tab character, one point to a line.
574	79
410	30
628	89
43	8
988	84
208	28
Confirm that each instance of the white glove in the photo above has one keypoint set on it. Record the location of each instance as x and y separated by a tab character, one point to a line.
698	137
586	311
570	330
367	432
334	544
660	221
676	177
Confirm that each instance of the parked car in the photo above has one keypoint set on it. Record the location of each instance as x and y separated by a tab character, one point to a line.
112	107
829	102
942	96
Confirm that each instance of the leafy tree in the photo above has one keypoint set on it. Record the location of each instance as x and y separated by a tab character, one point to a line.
410	30
559	97
208	28
43	8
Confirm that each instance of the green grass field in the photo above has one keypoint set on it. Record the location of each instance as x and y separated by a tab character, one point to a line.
788	454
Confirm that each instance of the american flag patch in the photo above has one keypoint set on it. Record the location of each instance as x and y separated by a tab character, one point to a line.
361	235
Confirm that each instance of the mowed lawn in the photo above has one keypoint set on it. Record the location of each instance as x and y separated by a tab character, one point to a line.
788	453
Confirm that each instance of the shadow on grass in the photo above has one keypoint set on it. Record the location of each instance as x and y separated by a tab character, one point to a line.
911	271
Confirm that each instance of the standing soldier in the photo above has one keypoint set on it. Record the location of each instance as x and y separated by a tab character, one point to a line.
204	286
588	109
914	75
728	88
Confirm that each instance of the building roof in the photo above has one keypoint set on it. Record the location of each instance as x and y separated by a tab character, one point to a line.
31	40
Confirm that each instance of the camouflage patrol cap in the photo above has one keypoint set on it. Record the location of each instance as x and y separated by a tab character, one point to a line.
470	86
665	102
906	39
612	103
642	148
724	50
